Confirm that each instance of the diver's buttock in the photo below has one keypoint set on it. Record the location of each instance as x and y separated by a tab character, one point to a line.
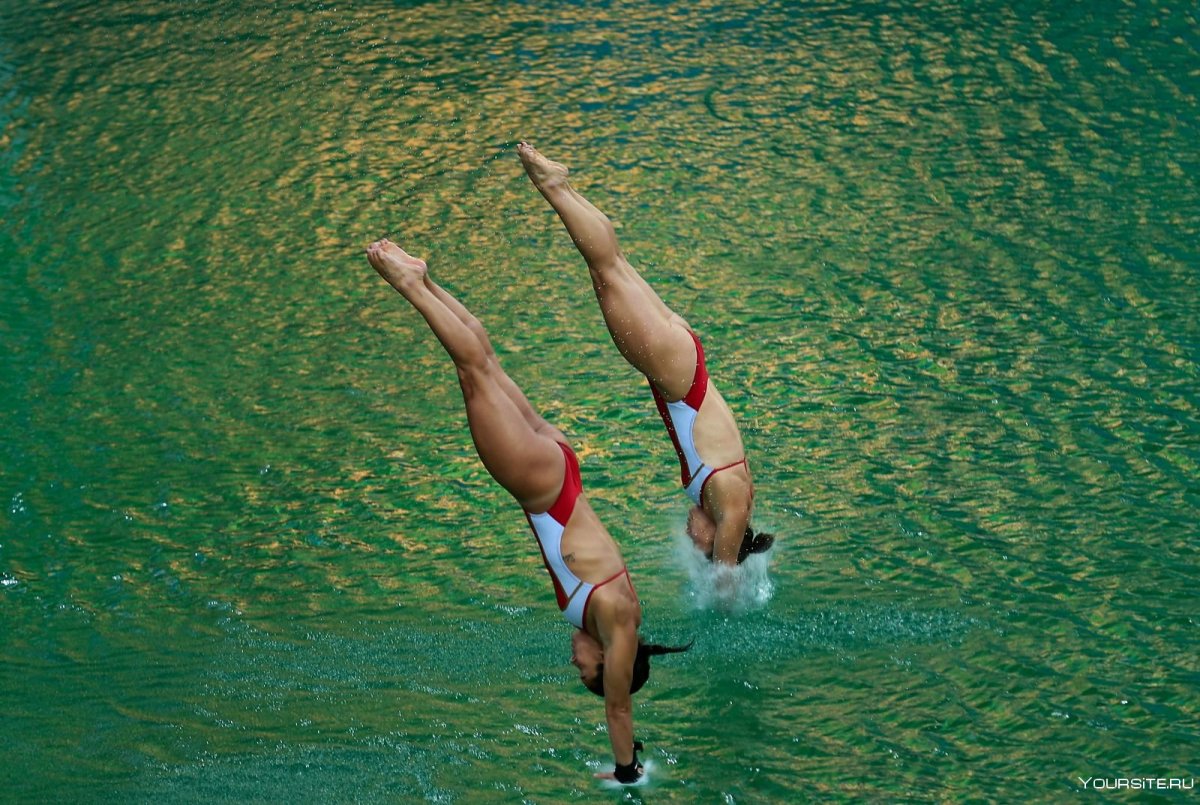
680	418
571	592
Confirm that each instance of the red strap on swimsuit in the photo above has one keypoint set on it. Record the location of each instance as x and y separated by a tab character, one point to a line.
695	395
693	399
704	485
572	485
622	572
561	510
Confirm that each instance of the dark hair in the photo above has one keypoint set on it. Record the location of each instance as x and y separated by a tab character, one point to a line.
641	666
751	543
754	543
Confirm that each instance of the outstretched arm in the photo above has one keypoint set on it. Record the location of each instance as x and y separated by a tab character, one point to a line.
727	500
728	540
618	633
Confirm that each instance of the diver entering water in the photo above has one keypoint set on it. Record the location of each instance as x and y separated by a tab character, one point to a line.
661	345
532	461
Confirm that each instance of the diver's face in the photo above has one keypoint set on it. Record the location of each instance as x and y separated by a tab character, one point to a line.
586	655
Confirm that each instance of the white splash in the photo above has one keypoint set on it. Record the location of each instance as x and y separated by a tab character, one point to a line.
746	587
649	772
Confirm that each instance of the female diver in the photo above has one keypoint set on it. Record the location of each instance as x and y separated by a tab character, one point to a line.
663	347
531	459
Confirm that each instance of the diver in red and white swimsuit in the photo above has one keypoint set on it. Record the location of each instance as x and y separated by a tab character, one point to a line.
530	458
663	347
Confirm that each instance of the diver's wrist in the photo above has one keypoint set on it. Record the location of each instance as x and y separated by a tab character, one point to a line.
632	771
628	772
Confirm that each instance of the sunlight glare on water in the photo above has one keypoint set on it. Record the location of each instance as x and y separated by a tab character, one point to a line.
943	257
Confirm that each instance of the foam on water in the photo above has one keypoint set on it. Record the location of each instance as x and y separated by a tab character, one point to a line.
713	586
649	773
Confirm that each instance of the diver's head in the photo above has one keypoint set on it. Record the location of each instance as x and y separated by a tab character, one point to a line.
588	656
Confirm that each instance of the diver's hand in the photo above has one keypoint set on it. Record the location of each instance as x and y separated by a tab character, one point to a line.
630	772
625	775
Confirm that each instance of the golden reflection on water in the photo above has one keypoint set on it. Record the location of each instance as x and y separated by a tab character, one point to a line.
942	259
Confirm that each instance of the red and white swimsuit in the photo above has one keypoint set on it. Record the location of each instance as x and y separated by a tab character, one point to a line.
572	593
680	418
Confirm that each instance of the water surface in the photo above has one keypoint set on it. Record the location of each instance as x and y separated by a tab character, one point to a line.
943	257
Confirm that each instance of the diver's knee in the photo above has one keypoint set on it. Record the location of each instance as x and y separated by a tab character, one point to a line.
471	377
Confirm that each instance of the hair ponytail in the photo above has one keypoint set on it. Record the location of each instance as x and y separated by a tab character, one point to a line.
641	666
754	543
654	649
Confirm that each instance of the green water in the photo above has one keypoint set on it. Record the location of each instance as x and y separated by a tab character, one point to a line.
944	258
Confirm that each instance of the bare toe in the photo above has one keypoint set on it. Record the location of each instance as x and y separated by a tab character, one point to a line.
543	172
399	268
